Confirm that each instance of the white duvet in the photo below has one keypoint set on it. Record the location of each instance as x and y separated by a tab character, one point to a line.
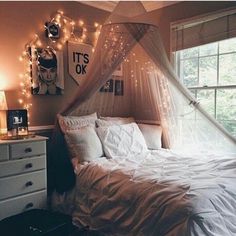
159	193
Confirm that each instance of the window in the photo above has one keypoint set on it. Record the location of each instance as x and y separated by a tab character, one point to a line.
209	72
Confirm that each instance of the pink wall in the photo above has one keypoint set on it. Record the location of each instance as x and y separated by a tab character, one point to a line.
21	20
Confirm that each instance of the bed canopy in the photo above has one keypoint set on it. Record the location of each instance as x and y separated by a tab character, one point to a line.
152	92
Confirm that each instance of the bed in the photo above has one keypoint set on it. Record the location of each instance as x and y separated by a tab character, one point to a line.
156	192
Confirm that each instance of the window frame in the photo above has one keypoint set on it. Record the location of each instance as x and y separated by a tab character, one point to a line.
195	89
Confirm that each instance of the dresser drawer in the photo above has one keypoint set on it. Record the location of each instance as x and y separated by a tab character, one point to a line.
4	152
22	203
21	184
22	166
20	150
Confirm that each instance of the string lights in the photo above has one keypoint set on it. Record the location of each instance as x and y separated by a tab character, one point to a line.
68	29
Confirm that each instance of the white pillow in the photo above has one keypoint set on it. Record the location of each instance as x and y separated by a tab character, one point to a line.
84	144
76	122
107	121
152	135
122	140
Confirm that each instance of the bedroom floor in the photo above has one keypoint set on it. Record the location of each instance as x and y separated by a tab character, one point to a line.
77	232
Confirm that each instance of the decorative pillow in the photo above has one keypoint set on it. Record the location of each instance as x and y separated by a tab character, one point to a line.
84	144
122	140
152	135
68	123
107	121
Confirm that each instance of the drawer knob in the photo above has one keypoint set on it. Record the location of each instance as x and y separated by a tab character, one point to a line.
28	165
29	183
28	150
29	205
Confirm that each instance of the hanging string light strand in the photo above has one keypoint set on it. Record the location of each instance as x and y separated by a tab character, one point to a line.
68	29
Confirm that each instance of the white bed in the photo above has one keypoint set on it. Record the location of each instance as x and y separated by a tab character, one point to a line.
156	193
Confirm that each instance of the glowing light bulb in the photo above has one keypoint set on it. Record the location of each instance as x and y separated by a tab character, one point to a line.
59	46
96	24
81	23
60	12
38	43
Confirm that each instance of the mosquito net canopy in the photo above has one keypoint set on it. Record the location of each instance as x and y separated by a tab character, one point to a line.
152	92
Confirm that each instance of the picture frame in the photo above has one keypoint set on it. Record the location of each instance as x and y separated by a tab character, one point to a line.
108	87
47	73
118	71
119	87
17	122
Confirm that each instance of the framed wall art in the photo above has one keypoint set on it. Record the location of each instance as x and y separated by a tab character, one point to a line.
108	87
47	71
119	87
118	71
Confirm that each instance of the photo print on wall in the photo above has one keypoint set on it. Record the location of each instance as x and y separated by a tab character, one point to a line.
47	71
119	87
108	87
118	71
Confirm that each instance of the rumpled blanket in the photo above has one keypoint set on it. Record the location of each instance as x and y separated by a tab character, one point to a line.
159	193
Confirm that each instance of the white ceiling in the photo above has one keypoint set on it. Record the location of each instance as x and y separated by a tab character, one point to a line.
110	5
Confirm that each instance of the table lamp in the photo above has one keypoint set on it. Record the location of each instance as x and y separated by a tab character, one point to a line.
3	108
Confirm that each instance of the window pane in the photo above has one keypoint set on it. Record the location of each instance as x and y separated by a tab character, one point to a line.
194	92
208	49
208	71
188	53
228	45
189	72
227	69
206	97
226	104
229	125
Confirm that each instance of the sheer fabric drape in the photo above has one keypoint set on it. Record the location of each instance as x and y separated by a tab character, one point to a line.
152	91
114	43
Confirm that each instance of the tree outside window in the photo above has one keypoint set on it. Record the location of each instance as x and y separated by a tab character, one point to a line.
209	71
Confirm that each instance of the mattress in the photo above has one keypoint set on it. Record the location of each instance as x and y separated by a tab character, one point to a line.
157	193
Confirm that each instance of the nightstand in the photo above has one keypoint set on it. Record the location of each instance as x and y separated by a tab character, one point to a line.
23	175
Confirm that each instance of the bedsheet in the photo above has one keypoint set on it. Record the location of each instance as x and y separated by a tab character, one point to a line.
160	193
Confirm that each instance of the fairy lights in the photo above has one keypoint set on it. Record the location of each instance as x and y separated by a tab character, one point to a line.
69	29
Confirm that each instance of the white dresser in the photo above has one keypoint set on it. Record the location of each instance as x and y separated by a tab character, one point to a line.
23	175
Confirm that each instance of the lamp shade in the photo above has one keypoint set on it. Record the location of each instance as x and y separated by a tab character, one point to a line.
3	101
